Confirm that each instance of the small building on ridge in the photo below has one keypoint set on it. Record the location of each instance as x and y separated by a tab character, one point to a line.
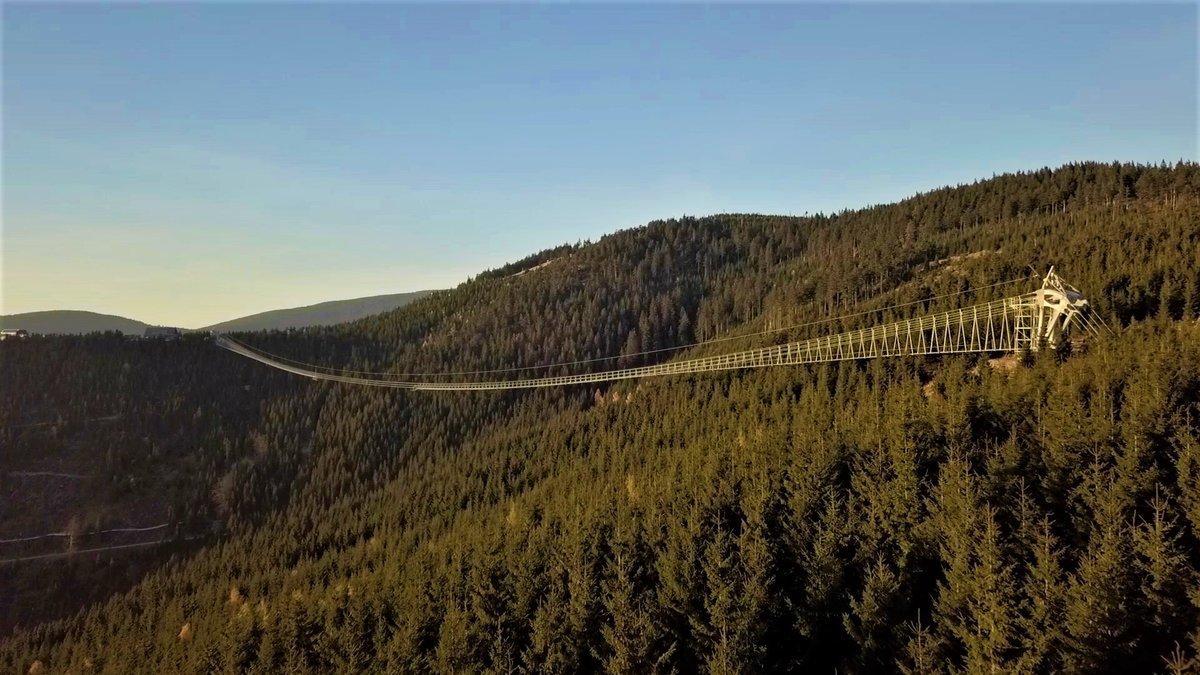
162	333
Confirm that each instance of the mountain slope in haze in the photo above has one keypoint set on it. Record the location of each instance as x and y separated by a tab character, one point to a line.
71	322
79	322
910	514
320	314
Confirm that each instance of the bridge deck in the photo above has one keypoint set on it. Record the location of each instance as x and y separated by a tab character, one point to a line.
1000	325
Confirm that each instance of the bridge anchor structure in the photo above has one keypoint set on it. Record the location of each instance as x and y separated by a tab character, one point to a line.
1044	317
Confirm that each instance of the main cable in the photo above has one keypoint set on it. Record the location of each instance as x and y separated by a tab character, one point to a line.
334	370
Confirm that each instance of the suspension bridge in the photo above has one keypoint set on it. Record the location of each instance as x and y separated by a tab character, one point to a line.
1045	316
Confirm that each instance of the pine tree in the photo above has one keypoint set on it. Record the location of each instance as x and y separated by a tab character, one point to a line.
1164	578
491	601
1191	299
956	519
269	656
299	635
1187	473
456	640
1099	620
354	637
870	622
817	621
922	653
418	610
239	641
1042	604
581	625
719	627
756	583
991	616
551	649
627	635
679	583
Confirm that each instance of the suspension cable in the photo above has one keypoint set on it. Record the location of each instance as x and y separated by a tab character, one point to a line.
701	343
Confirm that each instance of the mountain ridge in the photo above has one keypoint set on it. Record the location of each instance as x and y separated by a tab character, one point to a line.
71	322
82	322
325	313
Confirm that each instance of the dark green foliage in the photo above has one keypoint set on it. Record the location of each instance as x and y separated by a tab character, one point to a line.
933	515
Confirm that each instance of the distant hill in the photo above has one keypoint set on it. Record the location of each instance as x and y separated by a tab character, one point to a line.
71	321
320	314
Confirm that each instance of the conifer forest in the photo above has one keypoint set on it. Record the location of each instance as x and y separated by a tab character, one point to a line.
1036	512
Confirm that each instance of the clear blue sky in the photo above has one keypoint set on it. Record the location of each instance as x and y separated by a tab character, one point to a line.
189	163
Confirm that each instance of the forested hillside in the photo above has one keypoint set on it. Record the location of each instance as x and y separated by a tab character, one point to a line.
922	515
104	436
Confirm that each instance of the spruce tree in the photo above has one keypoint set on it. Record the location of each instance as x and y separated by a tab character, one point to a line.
1043	595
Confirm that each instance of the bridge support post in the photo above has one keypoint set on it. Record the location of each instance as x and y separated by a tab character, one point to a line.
1055	307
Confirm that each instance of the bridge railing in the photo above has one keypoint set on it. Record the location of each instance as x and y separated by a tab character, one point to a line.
1005	325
